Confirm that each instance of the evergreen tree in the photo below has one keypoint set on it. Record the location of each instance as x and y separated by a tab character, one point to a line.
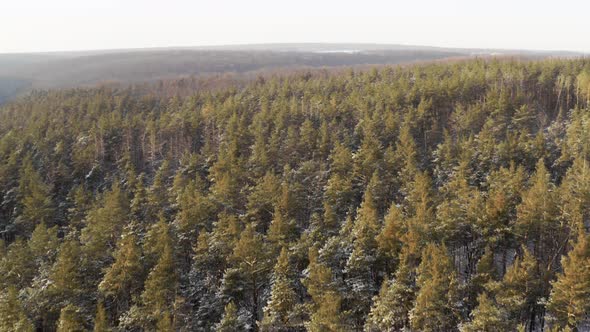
194	213
100	320
406	152
123	278
360	267
231	321
368	158
419	206
206	270
66	274
459	212
13	315
44	243
157	238
325	308
391	308
486	273
160	286
264	198
17	265
504	195
436	306
37	205
157	196
227	176
538	212
80	200
574	195
138	205
389	240
105	223
339	189
519	290
164	322
279	309
251	266
570	297
281	231
70	320
487	317
327	316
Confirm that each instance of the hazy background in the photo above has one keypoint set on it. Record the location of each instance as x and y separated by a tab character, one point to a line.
41	25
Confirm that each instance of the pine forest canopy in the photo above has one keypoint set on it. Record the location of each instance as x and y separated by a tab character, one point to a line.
451	196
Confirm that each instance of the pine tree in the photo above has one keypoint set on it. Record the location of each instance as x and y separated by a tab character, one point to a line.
13	315
389	240
504	195
123	277
160	286
307	139
435	308
339	189
281	231
419	207
138	205
251	262
570	297
263	198
226	232
44	243
165	323
70	319
391	308
458	213
227	176
156	240
325	310
37	204
259	159
487	317
100	320
194	213
17	266
104	226
485	273
406	152
327	316
360	267
66	275
537	214
330	221
230	322
157	196
368	158
574	194
206	271
79	200
519	290
279	309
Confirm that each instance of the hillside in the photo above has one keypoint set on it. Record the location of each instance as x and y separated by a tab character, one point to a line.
20	73
432	197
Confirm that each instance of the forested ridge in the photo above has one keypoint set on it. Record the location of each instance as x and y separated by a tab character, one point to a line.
435	197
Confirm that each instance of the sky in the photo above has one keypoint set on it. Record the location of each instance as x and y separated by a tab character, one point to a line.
63	25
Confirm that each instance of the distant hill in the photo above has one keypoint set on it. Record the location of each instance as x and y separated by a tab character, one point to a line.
20	73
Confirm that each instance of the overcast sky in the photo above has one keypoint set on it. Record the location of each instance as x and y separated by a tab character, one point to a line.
57	25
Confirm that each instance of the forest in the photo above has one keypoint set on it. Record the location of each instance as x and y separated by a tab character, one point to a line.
22	73
447	196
